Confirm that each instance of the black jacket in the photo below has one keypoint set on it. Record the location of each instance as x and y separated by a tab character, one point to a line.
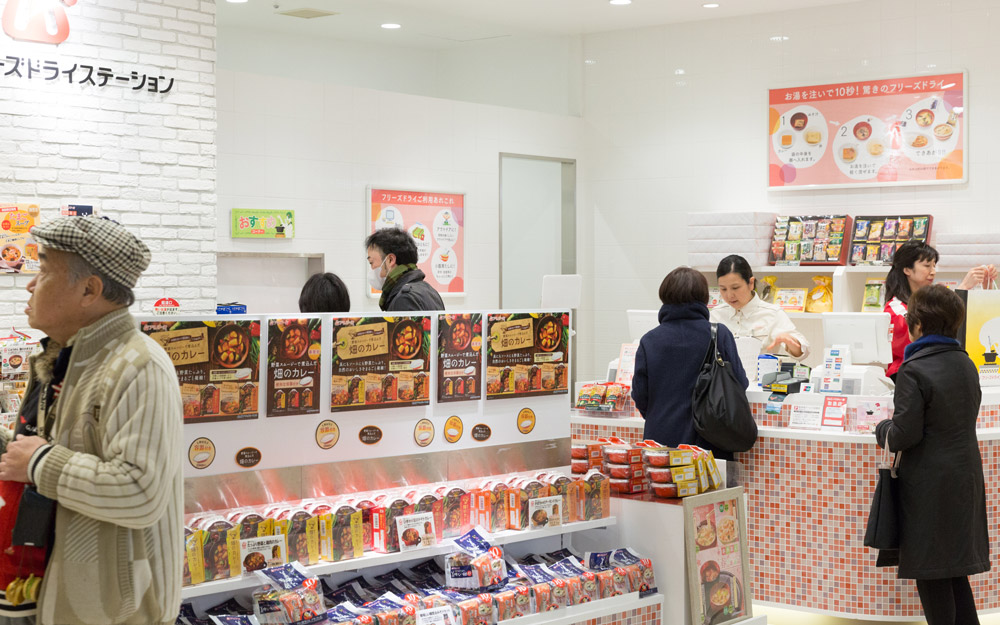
411	292
942	505
666	368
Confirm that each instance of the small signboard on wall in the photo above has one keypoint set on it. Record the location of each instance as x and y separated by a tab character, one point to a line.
253	223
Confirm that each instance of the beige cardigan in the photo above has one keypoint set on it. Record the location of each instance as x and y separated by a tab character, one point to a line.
115	471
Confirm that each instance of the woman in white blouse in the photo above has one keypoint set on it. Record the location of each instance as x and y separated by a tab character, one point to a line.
746	314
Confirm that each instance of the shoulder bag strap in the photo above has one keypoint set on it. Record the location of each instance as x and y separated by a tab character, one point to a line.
713	349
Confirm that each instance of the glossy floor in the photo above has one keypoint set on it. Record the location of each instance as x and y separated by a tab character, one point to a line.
777	616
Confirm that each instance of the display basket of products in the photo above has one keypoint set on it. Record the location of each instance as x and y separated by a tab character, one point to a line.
810	240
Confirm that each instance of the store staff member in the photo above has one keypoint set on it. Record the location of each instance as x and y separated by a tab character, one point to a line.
392	257
913	266
746	314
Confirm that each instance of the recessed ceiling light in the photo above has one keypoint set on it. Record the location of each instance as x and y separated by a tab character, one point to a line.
711	5
621	2
590	61
931	65
679	72
236	1
391	26
779	38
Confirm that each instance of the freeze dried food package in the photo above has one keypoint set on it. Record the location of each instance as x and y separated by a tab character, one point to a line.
216	548
290	596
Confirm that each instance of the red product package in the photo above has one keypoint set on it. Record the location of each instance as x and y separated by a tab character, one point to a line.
625	471
574	590
606	583
588	588
660	475
621	582
543	597
629	487
505	605
560	594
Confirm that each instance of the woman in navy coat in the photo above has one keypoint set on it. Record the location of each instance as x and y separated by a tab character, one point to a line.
670	357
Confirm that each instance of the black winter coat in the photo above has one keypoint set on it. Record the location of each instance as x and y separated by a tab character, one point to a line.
943	531
667	364
411	292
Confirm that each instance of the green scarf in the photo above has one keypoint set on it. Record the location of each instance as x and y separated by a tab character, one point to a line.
390	281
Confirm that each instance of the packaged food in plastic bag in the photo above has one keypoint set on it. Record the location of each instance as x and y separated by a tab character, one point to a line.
820	298
767	288
290	597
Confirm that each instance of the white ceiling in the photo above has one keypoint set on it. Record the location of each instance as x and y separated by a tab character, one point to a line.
449	23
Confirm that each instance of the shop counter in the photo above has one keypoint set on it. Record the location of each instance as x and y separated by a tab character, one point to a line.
808	494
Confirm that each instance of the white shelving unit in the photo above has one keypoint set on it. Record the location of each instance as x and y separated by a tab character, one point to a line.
588	611
379	559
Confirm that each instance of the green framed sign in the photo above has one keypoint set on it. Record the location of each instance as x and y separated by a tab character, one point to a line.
253	223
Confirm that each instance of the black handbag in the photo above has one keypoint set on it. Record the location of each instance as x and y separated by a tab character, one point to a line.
882	531
719	405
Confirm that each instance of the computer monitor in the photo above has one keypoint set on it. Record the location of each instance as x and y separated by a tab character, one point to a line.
641	322
865	333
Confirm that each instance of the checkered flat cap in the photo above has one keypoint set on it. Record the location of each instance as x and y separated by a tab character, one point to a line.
105	244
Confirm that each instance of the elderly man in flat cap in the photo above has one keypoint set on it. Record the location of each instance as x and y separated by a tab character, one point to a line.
98	439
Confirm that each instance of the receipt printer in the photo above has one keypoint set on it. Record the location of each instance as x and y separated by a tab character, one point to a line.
782	382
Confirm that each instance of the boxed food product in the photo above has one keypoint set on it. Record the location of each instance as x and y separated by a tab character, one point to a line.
714	475
301	529
251	523
659	475
562	485
455	507
622	455
578	465
194	557
667	457
686	489
578	451
629	487
426	501
625	471
594	496
684	474
521	491
386	534
365	504
220	547
341	533
666	490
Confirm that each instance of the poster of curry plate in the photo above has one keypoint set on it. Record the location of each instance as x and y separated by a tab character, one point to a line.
18	251
527	354
436	222
908	130
460	352
217	364
718	572
379	362
293	351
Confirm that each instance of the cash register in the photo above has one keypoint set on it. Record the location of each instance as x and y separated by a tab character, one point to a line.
865	347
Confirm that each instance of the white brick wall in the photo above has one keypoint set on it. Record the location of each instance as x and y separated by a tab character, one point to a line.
144	159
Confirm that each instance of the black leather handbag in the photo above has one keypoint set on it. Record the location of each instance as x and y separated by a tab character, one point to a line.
882	531
719	405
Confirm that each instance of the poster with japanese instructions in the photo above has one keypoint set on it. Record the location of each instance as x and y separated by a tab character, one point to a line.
460	351
217	365
527	354
379	362
18	251
293	351
718	566
436	222
909	130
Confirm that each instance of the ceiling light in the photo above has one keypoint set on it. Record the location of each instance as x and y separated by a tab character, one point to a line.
621	2
590	61
678	72
391	26
711	5
779	38
236	1
931	66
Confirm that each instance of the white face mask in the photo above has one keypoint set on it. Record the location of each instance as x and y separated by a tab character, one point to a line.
375	278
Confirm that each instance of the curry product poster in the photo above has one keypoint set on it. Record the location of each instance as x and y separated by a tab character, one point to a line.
293	351
896	131
436	222
527	354
718	569
18	251
982	334
217	364
460	357
379	362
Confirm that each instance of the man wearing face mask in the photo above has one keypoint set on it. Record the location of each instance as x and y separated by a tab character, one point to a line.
392	260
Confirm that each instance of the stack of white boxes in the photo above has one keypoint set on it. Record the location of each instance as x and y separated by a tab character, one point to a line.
958	250
713	236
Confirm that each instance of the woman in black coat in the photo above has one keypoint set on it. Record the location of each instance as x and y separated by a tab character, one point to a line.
942	504
670	357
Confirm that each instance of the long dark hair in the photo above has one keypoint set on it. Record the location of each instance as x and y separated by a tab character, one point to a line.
735	263
910	253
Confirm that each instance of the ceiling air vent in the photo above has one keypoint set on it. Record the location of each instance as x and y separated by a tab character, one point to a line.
306	14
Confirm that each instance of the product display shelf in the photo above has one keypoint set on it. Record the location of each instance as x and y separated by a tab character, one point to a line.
630	422
589	611
380	559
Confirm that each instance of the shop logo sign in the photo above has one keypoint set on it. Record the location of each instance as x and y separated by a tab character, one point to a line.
42	21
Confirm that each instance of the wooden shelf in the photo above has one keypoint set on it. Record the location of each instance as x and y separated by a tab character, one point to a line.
379	559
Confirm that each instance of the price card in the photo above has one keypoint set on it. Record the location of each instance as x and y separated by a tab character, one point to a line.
436	616
834	411
806	417
626	363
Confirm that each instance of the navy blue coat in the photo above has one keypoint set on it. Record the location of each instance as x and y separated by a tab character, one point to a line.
666	368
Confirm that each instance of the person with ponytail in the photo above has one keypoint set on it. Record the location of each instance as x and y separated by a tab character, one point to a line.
913	266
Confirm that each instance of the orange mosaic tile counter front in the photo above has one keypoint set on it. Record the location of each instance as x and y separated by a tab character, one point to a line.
808	495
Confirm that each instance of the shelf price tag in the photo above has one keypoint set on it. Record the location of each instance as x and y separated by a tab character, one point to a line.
436	616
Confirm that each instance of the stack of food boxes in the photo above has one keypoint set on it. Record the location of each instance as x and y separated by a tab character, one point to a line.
623	464
680	472
713	236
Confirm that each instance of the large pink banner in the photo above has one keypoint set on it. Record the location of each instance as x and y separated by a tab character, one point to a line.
897	131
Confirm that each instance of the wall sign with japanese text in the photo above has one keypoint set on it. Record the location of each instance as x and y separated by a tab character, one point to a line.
293	351
217	364
380	362
460	364
436	221
18	251
248	223
898	131
527	354
91	73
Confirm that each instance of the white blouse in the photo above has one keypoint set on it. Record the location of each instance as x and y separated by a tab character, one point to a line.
760	320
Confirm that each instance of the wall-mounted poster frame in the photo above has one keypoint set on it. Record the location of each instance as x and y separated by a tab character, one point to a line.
435	220
890	131
718	566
